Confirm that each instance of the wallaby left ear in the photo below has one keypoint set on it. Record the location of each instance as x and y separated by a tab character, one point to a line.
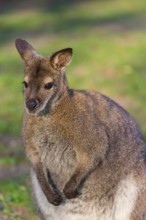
61	58
26	51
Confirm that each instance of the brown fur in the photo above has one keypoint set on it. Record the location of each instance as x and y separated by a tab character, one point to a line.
80	143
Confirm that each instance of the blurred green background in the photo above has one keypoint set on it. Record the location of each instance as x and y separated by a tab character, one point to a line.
109	42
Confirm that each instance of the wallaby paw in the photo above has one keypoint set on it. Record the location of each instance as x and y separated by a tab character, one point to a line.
69	192
56	200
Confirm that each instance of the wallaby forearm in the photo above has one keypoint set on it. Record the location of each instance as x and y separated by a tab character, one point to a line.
88	159
51	192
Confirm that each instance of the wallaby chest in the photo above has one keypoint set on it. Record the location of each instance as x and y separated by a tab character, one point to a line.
55	149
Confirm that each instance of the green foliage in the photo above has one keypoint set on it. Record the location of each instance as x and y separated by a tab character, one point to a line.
15	194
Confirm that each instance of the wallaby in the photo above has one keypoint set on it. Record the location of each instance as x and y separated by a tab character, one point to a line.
86	152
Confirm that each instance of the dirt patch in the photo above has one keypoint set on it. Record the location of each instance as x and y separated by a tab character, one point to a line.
13	171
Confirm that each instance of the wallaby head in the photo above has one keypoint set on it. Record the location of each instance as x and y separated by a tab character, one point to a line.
44	78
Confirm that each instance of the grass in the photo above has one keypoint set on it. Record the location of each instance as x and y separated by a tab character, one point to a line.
108	38
15	201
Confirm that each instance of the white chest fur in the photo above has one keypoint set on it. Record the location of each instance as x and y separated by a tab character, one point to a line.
121	209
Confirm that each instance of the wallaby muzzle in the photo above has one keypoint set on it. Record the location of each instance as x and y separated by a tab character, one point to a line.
31	104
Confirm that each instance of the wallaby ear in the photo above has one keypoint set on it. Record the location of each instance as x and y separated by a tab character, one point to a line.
26	51
61	58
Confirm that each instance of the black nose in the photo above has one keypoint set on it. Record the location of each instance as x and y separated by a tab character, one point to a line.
31	104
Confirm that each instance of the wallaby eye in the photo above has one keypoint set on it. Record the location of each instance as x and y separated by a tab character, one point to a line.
48	85
25	84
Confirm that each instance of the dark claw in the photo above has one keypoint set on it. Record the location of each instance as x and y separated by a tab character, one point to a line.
69	193
55	200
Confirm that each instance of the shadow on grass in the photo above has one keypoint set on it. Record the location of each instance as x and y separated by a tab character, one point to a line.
62	22
53	5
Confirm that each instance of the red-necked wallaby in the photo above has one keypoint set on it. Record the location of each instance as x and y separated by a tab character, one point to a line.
87	153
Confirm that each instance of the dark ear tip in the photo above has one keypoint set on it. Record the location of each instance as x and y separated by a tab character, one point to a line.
70	50
18	41
22	45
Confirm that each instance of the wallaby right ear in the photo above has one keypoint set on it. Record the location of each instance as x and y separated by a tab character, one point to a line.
26	51
61	58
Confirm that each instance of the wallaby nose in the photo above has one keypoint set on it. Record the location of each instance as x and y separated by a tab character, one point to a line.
31	104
